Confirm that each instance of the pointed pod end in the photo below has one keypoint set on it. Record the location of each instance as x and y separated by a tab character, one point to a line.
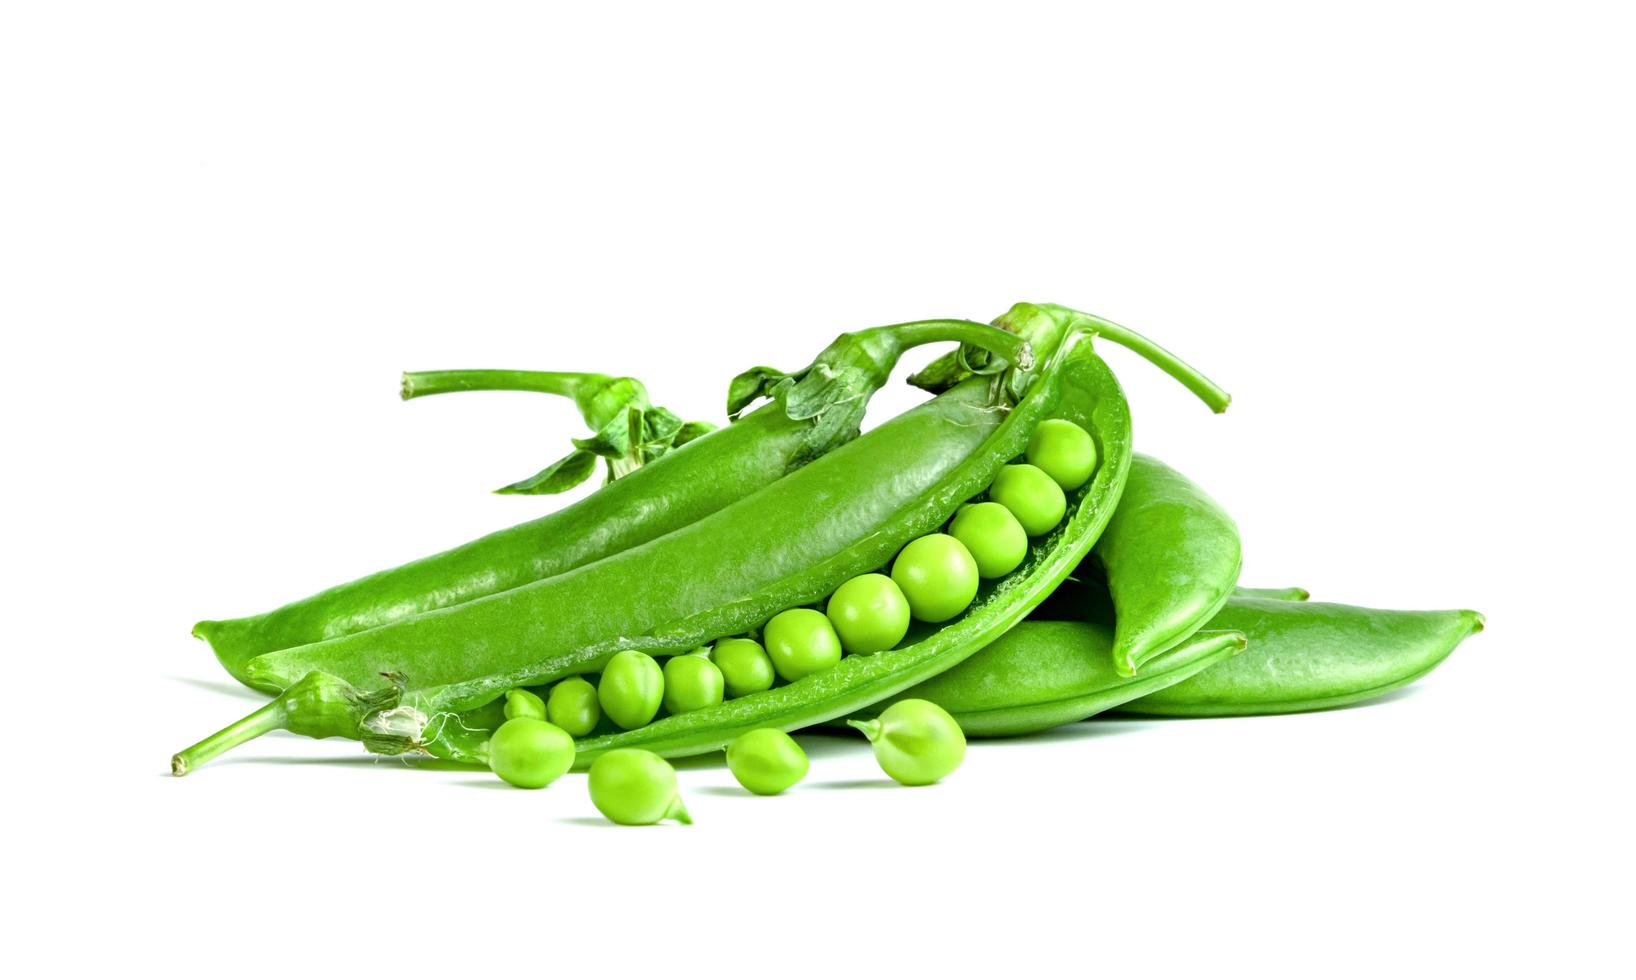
1478	620
178	765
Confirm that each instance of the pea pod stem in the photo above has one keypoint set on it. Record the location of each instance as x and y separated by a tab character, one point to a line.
1190	377
319	706
418	384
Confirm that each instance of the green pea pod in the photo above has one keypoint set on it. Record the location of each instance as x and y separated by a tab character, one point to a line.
1292	594
1306	656
1044	674
1171	558
814	411
788	545
1089	396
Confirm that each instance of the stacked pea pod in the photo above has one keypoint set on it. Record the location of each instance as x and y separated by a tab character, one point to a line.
793	573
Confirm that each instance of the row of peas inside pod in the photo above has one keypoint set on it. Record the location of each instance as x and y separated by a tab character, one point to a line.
933	579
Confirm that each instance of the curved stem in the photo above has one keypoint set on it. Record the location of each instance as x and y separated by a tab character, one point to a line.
1208	391
999	342
566	383
869	726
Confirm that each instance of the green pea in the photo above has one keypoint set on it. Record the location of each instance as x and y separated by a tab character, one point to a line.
869	613
530	753
631	689
636	787
523	703
916	742
691	682
573	706
801	641
991	533
1064	451
745	666
1031	496
766	761
937	575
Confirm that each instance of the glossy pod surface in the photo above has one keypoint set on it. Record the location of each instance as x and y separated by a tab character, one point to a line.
1044	674
724	574
1171	557
677	489
1089	396
1304	656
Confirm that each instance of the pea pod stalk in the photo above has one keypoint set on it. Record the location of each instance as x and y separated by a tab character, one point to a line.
812	411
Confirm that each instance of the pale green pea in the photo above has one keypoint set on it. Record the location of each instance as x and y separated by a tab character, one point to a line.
745	666
691	682
766	761
636	787
916	742
631	689
573	706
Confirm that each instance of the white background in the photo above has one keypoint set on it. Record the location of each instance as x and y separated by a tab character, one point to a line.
1400	234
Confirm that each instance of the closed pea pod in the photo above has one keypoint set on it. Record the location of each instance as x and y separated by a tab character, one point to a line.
812	411
1308	656
1171	558
1043	674
632	689
573	706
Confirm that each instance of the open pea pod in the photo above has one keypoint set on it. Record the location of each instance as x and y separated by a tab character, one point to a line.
1090	397
810	413
785	546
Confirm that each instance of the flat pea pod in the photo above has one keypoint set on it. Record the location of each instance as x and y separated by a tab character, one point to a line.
1171	557
1043	674
1307	656
631	689
812	412
1090	395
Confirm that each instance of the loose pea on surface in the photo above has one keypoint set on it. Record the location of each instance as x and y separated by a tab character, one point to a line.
691	682
573	707
916	742
745	666
631	689
766	761
523	703
530	753
991	533
636	787
1031	496
870	614
937	575
801	641
1064	451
